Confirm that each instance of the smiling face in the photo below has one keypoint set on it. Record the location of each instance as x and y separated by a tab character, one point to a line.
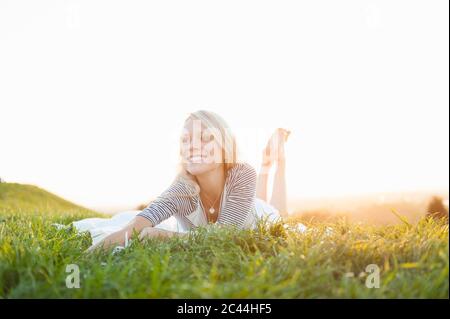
201	148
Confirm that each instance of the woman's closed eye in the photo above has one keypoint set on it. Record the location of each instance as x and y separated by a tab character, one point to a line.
207	137
185	139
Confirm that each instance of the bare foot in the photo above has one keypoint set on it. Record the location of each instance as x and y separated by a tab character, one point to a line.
274	151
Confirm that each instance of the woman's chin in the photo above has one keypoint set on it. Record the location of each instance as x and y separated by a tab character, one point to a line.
198	168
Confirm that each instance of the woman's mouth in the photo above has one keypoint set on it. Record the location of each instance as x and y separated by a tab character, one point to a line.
196	159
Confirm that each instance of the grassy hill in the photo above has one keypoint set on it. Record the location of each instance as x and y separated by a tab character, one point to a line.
273	261
28	199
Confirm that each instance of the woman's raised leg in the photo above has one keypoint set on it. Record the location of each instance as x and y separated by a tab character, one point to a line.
261	184
274	152
268	158
279	194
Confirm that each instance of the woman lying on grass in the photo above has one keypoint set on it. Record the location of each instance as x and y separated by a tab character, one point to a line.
212	186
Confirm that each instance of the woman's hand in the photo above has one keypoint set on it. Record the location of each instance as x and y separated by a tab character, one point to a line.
152	232
115	239
118	238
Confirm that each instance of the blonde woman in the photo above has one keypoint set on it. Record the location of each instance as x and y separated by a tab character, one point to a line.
212	185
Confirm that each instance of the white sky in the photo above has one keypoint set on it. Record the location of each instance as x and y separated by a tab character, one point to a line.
93	94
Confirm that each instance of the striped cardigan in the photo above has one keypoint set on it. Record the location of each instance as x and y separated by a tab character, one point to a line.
180	200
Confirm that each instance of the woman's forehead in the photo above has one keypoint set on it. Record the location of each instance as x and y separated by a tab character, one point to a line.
193	124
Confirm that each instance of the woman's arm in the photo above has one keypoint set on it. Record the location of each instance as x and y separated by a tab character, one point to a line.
241	183
140	225
118	238
175	199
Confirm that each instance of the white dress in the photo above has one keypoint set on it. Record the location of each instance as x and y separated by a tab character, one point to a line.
99	228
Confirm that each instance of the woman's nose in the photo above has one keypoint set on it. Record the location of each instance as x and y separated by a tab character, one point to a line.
196	150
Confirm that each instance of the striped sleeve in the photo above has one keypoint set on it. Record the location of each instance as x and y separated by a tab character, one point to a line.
177	199
241	185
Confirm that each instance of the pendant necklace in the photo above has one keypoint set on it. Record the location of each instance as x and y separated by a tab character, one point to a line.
211	208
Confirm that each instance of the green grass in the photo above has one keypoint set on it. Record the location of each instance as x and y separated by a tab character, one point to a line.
269	262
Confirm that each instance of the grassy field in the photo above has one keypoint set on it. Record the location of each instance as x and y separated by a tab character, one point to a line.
273	261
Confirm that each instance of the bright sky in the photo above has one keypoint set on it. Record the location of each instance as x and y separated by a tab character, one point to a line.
93	93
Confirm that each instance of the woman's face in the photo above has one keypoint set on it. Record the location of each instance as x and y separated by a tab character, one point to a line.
201	150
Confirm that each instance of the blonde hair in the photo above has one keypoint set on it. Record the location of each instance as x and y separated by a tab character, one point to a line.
222	133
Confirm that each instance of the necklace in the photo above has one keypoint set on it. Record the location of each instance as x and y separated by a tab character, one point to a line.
211	208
